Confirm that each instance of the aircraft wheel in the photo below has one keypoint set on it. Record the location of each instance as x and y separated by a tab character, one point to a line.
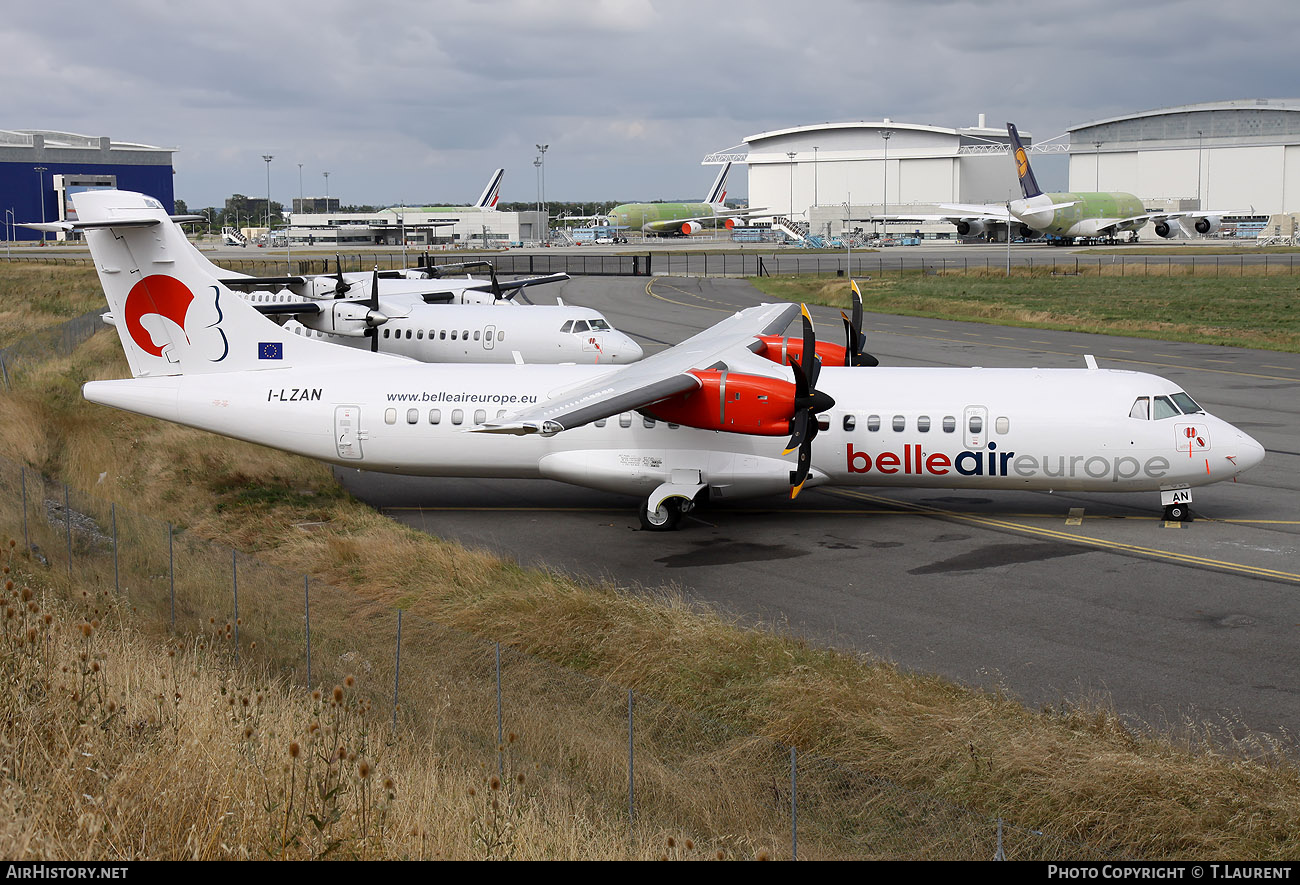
1178	513
665	519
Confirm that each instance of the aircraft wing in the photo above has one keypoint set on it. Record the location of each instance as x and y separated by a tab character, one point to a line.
959	211
654	378
673	224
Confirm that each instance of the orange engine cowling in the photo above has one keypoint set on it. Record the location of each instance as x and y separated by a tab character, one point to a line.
782	350
732	223
691	227
732	402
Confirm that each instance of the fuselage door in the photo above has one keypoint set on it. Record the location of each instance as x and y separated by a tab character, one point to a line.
975	424
347	431
489	337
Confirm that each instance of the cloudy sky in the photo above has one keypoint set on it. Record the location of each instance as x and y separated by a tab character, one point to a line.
419	101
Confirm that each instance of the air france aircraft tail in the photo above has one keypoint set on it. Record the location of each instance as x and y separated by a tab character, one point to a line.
173	315
1028	184
718	193
491	193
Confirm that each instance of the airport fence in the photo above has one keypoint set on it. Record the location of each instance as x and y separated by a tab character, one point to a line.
761	263
654	766
37	347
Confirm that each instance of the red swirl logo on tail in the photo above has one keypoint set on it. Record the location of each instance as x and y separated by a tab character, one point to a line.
166	296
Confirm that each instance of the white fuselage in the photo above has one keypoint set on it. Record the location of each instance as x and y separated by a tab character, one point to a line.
983	428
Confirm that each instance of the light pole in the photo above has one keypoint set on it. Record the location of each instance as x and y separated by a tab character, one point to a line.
884	184
268	158
790	155
300	209
547	220
327	191
848	236
1096	165
9	230
537	173
814	176
40	194
1199	144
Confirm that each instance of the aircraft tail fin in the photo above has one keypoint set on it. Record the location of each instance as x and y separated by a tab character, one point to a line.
718	192
1028	184
491	193
174	316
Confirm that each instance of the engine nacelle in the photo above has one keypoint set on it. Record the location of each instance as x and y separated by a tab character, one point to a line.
1208	224
732	402
1168	228
782	350
732	223
691	227
351	318
1028	232
970	227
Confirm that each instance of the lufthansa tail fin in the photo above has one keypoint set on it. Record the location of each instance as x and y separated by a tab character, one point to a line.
491	193
718	192
1028	184
174	316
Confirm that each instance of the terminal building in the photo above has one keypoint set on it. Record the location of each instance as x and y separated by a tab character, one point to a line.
419	226
40	170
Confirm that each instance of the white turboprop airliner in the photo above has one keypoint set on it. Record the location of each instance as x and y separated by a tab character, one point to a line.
429	325
718	415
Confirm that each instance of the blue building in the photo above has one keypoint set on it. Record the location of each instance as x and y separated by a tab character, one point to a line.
40	170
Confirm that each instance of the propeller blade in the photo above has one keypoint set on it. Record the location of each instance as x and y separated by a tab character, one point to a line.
374	306
341	286
856	340
496	286
799	475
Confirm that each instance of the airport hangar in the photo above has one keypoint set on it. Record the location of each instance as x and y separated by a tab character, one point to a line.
40	169
1237	156
418	226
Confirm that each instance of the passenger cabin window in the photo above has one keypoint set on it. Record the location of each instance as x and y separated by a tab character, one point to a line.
479	416
849	423
873	423
457	416
976	424
625	419
419	335
1164	408
923	424
649	423
601	422
390	416
412	416
1002	425
1141	408
949	424
899	423
435	416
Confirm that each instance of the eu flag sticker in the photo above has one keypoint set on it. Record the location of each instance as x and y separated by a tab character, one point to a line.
270	350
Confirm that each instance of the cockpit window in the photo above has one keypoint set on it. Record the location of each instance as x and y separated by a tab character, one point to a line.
1164	408
1186	403
579	326
599	325
1141	408
567	327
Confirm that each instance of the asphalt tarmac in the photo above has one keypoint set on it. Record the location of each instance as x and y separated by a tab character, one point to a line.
1051	598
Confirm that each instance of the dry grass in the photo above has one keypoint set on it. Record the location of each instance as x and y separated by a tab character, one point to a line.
35	296
118	747
1078	772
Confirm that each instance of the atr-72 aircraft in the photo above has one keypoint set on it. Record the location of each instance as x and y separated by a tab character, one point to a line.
1074	215
720	415
681	219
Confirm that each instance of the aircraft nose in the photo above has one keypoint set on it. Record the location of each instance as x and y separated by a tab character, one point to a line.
632	349
1250	452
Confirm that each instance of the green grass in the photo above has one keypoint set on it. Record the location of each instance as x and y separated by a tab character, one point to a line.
1254	310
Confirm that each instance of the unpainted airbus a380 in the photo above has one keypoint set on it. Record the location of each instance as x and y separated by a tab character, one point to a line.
720	415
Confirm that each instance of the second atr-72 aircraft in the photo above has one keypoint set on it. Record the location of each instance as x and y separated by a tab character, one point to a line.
737	410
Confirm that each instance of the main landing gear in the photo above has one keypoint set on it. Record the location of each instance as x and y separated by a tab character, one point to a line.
666	516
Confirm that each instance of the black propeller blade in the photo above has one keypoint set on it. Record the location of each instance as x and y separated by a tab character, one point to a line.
374	305
855	339
341	286
808	402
